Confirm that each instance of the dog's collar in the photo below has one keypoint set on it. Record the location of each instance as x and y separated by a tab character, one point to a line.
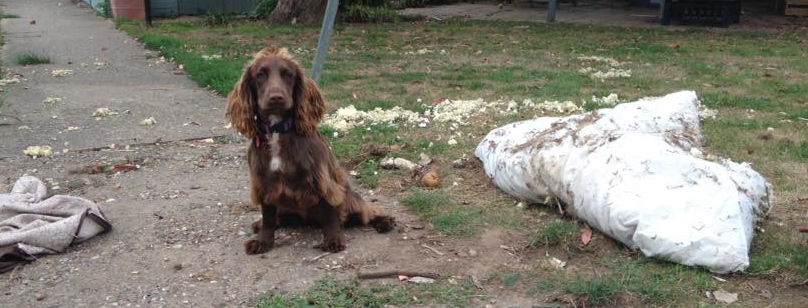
281	127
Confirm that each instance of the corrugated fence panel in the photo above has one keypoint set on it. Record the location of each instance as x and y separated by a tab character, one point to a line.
164	8
197	7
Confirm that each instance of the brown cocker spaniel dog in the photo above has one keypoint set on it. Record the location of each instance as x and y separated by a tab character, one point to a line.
293	174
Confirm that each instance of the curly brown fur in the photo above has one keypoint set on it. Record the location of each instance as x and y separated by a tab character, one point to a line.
293	174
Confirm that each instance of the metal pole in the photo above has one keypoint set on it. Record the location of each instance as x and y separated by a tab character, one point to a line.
551	10
325	39
147	4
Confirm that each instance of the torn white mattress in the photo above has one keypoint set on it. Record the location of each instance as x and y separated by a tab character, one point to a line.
34	226
635	173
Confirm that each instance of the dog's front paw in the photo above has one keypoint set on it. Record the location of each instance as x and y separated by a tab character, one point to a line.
383	224
258	245
333	244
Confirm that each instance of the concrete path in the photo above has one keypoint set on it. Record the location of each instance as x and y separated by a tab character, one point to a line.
109	70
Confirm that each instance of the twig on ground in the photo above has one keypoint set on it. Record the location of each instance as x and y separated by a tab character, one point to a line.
318	257
96	149
437	252
388	274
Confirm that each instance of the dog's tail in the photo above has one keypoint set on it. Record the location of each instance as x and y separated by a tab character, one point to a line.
365	213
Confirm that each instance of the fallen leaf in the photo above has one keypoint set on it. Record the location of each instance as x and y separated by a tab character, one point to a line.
725	297
124	168
586	236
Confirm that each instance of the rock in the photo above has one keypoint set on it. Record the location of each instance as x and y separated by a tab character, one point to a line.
40	296
725	297
419	279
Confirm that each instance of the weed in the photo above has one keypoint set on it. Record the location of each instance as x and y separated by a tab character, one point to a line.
597	291
368	173
366	13
262	9
105	9
425	202
556	232
6	15
217	19
31	58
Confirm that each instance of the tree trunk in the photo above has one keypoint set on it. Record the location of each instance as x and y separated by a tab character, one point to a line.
298	11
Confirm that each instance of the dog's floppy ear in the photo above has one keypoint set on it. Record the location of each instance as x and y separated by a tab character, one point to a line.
240	104
310	106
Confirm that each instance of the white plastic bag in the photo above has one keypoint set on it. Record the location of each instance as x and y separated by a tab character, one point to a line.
635	173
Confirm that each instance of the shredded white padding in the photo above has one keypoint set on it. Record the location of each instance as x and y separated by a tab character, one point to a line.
211	57
101	112
610	70
38	151
349	117
61	73
452	112
7	81
52	100
148	122
609	100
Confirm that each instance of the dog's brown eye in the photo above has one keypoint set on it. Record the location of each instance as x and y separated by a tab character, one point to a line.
286	74
260	75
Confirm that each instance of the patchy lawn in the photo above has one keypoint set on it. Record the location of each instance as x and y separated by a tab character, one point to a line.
757	82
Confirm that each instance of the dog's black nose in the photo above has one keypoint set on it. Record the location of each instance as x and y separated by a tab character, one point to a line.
276	99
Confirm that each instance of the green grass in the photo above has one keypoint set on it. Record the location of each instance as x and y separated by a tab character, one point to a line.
335	293
554	233
32	58
445	214
628	282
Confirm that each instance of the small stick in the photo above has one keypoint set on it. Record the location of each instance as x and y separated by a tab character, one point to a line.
803	230
96	149
437	252
387	274
318	257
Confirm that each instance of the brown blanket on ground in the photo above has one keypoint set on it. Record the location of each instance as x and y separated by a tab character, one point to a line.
31	226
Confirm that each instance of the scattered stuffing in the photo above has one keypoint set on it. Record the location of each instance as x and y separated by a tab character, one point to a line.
609	100
460	111
609	74
452	142
211	57
10	80
52	100
148	122
103	112
23	127
38	151
100	63
612	69
421	51
707	113
349	117
597	59
61	73
455	113
73	128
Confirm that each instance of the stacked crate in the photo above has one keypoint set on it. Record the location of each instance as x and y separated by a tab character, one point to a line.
797	7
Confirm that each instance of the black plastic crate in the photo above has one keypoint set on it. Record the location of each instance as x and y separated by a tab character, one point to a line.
721	12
